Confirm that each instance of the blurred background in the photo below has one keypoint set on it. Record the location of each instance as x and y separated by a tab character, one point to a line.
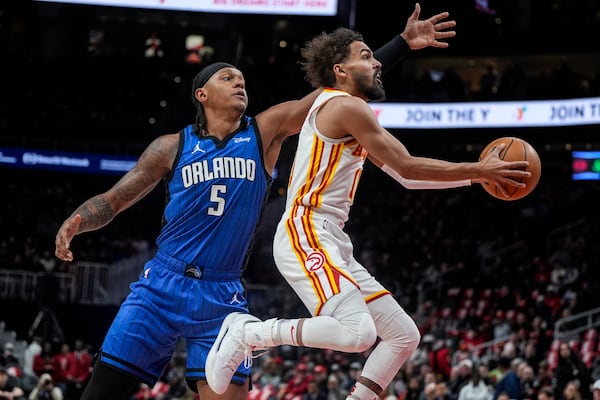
84	88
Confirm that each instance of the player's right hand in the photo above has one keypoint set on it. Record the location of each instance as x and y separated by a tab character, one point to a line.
502	172
65	234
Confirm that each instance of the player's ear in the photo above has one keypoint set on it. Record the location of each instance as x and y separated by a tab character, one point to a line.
200	94
338	69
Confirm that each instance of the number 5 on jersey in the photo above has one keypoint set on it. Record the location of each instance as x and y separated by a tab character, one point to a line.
216	196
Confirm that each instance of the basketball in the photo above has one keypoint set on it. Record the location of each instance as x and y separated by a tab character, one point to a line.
516	149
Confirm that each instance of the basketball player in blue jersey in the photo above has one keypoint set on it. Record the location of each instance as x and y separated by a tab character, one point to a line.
217	173
351	310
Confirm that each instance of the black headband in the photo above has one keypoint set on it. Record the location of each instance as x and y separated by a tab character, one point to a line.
205	73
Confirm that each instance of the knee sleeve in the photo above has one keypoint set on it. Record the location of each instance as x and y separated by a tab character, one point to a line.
399	339
360	331
353	334
349	326
399	330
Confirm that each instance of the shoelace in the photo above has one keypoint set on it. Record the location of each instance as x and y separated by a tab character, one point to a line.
247	358
234	361
242	347
249	355
261	353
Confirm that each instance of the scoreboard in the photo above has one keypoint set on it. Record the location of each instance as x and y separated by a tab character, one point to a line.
585	165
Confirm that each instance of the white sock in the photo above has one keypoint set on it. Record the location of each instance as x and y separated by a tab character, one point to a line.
286	332
272	332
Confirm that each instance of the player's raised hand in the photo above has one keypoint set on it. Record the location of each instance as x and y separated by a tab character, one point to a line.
424	33
64	236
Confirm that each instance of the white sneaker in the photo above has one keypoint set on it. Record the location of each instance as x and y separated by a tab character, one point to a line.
228	352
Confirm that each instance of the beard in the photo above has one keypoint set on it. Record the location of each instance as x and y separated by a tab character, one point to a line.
370	87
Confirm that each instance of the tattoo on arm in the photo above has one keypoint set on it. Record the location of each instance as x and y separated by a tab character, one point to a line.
95	213
152	166
150	169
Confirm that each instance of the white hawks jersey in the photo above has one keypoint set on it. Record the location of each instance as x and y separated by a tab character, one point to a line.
326	171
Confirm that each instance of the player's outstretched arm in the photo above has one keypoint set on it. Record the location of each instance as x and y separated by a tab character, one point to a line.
360	122
96	212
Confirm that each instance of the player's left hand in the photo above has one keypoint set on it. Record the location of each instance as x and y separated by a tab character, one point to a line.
424	33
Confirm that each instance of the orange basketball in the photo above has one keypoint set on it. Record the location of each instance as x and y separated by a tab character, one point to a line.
515	150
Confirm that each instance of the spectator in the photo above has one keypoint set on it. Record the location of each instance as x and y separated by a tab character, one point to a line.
484	372
8	357
545	394
61	364
297	385
571	391
320	377
497	369
439	360
596	390
441	391
570	368
269	374
510	383
461	375
46	390
414	389
9	386
34	348
313	392
343	380
428	391
475	389
421	354
545	376
527	378
44	362
354	372
334	390
80	366
531	352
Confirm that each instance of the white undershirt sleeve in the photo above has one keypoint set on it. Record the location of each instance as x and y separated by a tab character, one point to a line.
418	184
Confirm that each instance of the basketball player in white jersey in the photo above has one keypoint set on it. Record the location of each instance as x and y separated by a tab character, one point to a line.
350	308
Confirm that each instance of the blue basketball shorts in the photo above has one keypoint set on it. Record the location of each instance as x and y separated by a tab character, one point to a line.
172	299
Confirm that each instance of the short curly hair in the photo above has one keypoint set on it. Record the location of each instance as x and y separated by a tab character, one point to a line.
325	50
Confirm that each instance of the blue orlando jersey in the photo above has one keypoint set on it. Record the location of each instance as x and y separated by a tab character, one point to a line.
215	196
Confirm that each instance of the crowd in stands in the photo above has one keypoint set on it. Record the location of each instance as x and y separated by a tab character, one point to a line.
435	372
45	370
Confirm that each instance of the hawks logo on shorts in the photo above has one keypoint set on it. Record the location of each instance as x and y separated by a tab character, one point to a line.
314	261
